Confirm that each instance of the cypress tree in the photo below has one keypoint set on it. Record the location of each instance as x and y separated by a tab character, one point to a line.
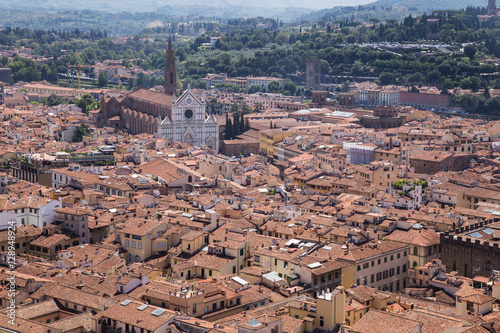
229	130
236	127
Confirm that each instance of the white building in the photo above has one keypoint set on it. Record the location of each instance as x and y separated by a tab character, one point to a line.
388	97
263	81
34	210
190	123
412	197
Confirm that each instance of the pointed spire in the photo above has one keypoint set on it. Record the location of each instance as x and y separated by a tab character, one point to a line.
169	42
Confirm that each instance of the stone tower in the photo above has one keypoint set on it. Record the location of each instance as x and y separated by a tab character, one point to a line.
313	74
170	73
492	7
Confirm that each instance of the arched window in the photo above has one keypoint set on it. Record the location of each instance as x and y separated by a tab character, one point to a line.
190	178
415	264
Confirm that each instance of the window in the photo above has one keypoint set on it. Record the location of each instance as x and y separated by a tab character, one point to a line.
372	278
126	242
321	321
378	262
404	268
399	255
194	308
359	267
139	246
392	257
84	309
315	282
358	282
241	252
373	263
136	237
285	264
275	262
133	244
404	254
210	273
385	259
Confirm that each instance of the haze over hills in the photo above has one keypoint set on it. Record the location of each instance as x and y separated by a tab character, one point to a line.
153	5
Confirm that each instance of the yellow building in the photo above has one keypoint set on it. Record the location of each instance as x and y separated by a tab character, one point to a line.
269	137
424	244
137	236
325	313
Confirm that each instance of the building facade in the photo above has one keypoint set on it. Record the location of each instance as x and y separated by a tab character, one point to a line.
190	123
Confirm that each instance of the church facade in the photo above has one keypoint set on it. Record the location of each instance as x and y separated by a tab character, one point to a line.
189	123
182	119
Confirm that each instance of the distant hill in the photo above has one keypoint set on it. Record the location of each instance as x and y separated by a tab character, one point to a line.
429	5
389	9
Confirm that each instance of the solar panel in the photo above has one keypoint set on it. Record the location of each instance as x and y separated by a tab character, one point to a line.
142	307
476	234
126	302
158	312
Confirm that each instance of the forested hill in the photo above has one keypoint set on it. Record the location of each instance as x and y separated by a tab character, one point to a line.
429	5
389	9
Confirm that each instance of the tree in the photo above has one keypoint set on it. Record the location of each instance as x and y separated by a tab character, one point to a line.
486	93
85	101
470	51
228	135
386	78
236	126
273	87
448	84
289	88
80	132
103	79
234	107
52	100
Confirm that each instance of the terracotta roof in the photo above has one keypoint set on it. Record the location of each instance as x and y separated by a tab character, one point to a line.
423	237
151	96
380	321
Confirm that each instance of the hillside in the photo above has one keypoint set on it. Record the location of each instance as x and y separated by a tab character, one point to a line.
388	9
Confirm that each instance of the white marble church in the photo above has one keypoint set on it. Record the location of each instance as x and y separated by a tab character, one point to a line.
190	123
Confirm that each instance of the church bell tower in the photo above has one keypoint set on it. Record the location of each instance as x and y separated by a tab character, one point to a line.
492	7
170	73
